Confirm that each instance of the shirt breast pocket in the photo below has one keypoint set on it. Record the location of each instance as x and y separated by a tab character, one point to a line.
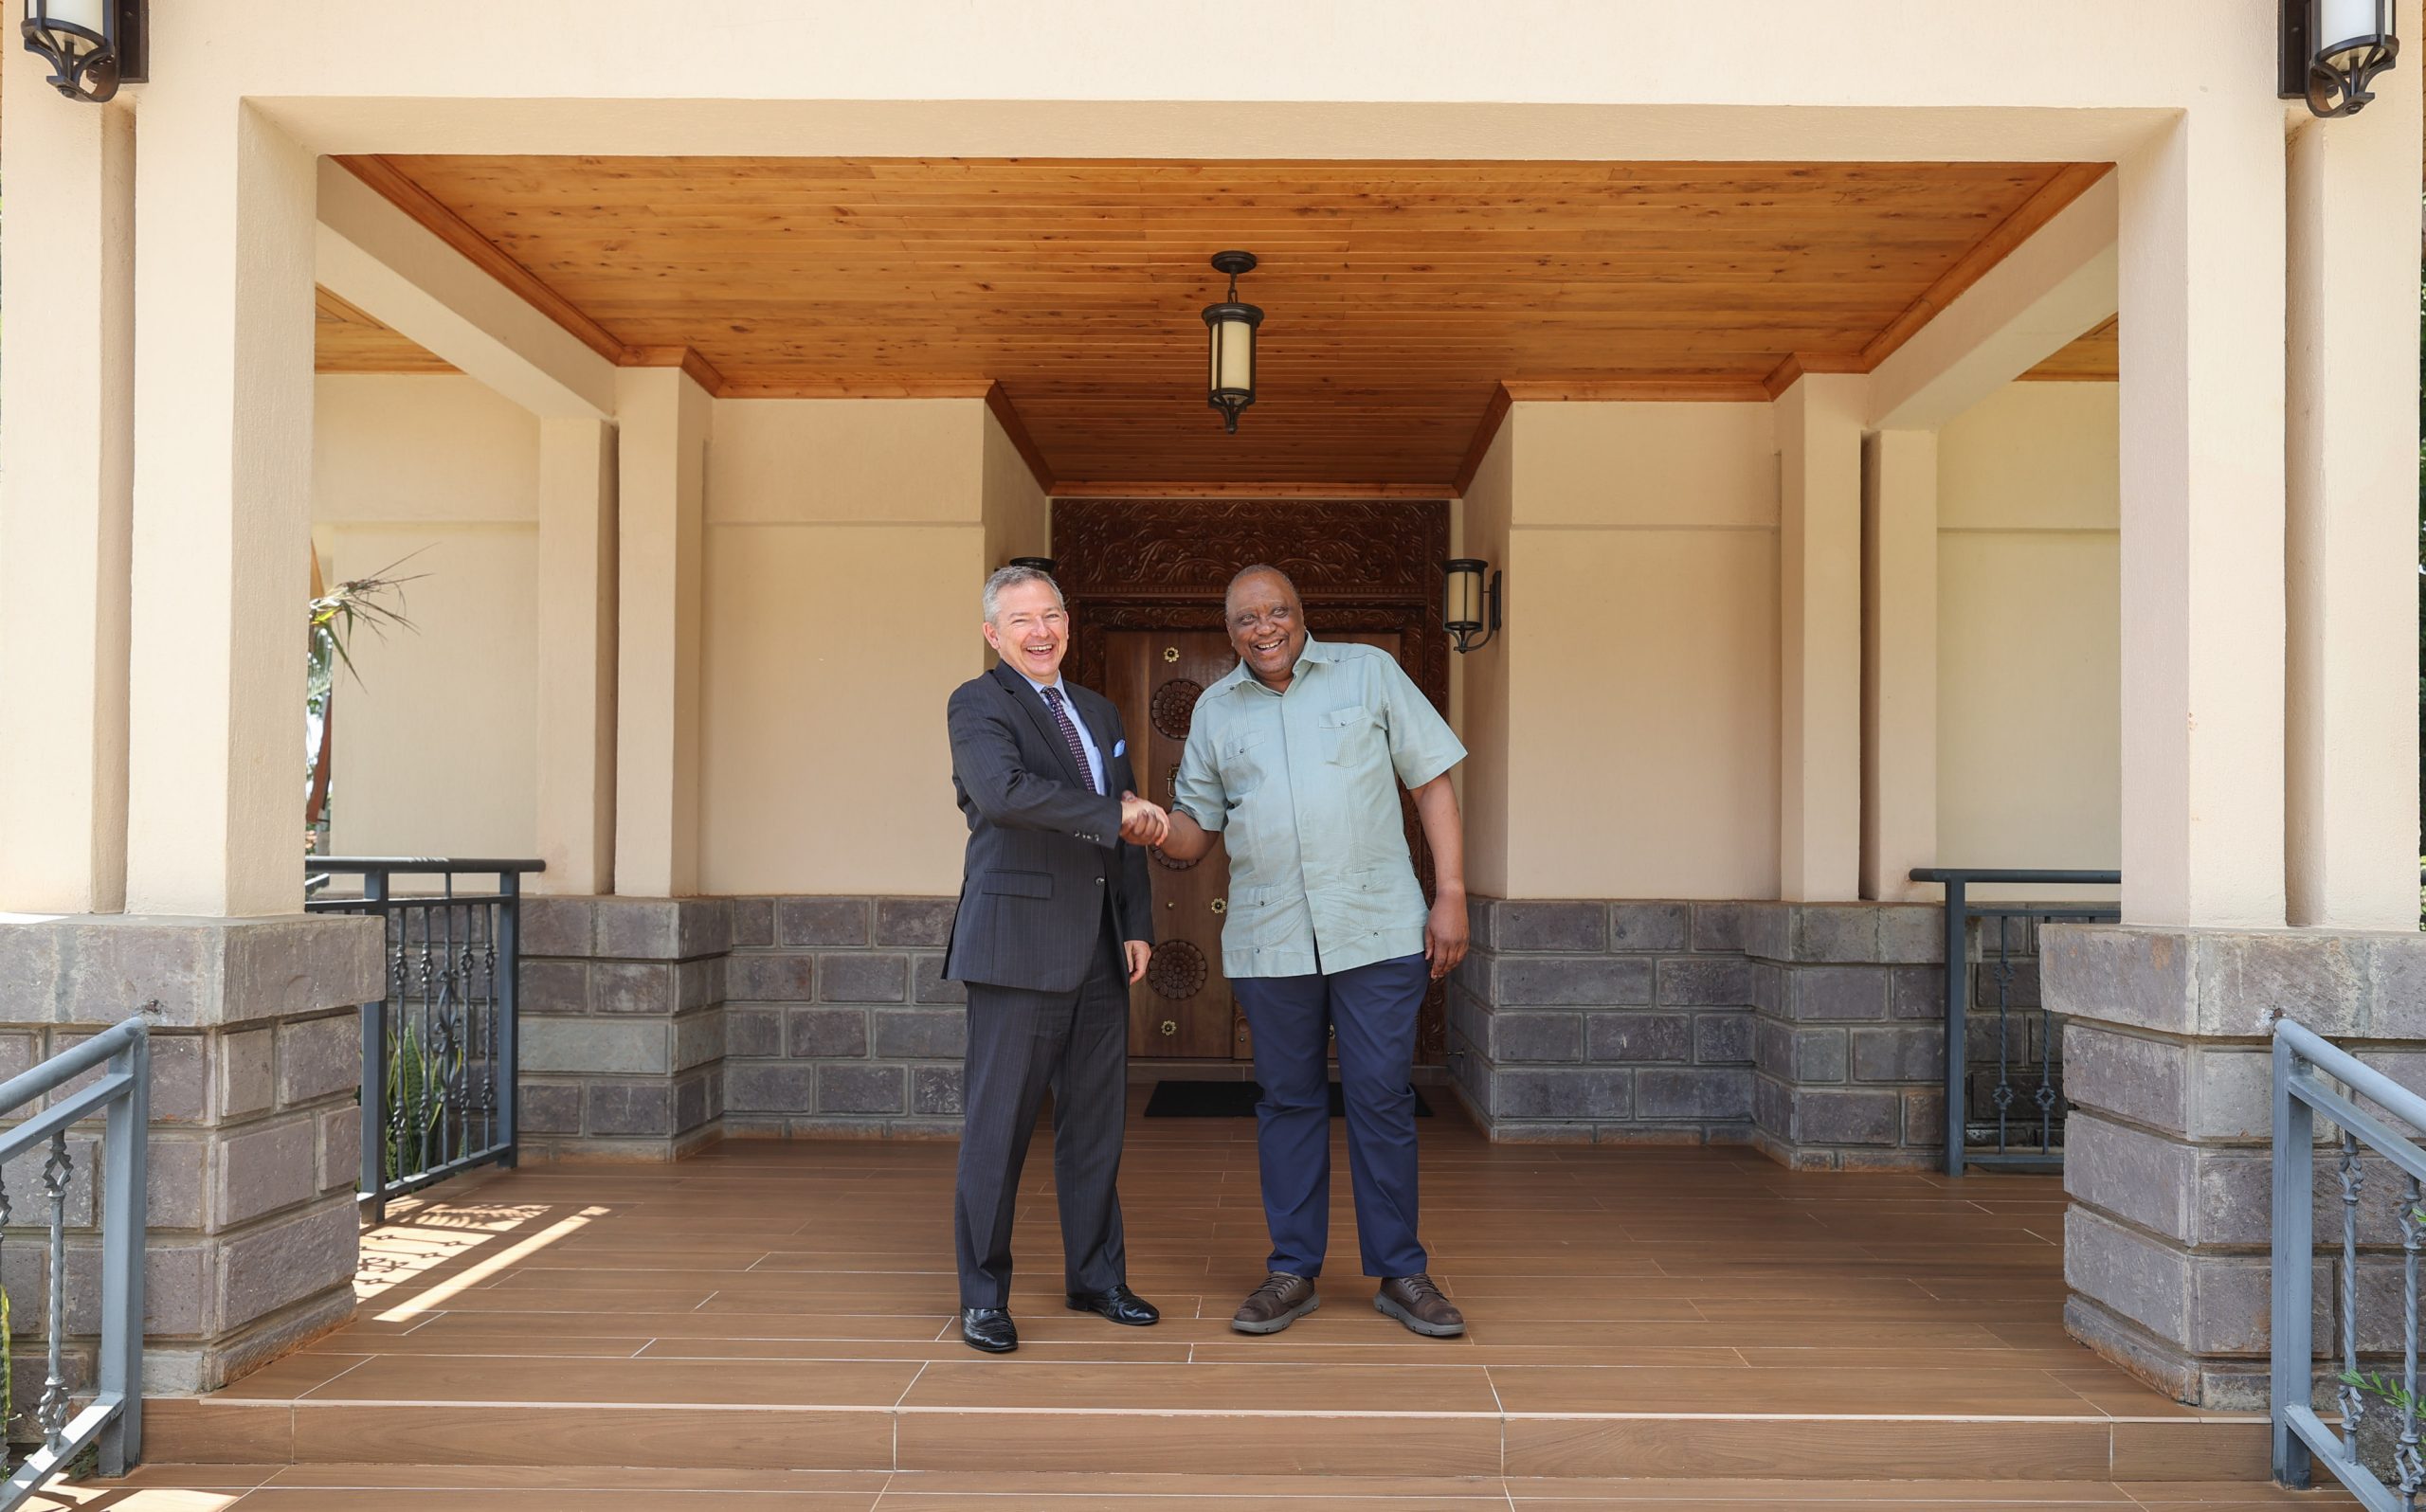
1350	737
1242	754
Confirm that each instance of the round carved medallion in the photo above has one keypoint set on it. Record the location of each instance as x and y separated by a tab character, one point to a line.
1177	971
1174	706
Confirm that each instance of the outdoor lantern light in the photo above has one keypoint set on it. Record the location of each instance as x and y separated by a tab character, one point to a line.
1230	327
1469	602
2333	50
92	45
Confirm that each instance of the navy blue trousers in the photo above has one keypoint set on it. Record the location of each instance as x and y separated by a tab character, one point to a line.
1373	1010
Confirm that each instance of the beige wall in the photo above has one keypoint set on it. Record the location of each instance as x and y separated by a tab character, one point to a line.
2029	628
436	745
1018	516
846	541
1482	676
1638	677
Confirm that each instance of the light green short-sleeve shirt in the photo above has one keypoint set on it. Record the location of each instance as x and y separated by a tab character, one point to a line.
1304	788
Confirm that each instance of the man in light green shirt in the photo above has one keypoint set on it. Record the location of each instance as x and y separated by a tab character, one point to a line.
1294	759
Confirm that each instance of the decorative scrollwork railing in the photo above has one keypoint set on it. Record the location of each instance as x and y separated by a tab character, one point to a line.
437	1052
112	1418
2372	1115
2012	1057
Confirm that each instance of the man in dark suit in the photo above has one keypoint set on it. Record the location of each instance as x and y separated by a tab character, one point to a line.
1054	922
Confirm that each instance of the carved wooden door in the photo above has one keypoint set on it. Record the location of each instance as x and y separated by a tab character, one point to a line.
1183	1010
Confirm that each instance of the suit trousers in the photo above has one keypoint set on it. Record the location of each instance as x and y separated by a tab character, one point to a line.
1022	1044
1373	1009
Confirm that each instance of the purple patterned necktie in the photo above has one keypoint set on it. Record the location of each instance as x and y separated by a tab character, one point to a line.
1070	736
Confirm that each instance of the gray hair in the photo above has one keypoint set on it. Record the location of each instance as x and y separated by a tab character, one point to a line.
1011	577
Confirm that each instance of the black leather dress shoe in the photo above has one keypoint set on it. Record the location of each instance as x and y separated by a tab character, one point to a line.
1120	1305
990	1330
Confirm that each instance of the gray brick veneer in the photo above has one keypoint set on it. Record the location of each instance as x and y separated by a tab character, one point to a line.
256	1132
837	1022
2167	1044
624	1035
1594	1021
1849	1043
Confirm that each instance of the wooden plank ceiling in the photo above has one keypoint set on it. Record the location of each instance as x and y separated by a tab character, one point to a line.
347	340
2096	357
1400	295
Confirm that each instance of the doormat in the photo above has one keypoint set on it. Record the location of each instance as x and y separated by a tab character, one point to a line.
1235	1100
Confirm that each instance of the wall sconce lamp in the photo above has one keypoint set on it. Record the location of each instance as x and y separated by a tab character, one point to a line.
92	45
1469	603
1230	328
2332	51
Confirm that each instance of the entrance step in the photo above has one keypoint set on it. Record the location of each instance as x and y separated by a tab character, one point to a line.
592	1488
1006	1418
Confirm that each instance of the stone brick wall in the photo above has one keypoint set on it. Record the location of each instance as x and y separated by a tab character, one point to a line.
839	1022
255	1130
2167	1042
1595	1021
622	1026
1851	1043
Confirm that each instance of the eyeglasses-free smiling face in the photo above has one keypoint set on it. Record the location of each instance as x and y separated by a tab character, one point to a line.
1030	630
1267	625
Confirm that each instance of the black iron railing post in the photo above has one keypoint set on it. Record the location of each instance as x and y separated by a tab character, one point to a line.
1958	1000
1960	913
506	987
374	1057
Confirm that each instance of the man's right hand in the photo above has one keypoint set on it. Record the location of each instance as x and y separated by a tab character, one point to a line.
1186	840
1142	823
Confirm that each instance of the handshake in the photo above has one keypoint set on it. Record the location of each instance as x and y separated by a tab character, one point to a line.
1142	823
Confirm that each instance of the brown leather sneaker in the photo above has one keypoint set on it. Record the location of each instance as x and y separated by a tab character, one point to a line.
1417	1302
1279	1302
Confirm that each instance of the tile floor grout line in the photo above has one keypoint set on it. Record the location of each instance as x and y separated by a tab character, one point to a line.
334	1379
904	1398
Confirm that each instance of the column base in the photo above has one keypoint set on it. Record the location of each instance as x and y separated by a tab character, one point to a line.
622	1027
1850	1038
255	1144
2168	1173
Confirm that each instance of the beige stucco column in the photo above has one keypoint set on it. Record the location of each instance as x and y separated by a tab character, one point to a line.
2351	449
66	375
576	655
1819	426
661	417
222	536
2202	294
1899	662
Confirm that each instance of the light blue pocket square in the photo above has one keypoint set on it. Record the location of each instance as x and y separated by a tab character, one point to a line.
1120	747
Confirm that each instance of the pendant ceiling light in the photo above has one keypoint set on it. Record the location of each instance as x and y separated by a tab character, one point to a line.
1230	328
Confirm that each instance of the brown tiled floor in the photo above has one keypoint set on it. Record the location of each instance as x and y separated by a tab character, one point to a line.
1650	1328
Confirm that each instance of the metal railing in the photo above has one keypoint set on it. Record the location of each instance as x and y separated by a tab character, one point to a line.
438	1052
2019	1059
2306	1071
121	1094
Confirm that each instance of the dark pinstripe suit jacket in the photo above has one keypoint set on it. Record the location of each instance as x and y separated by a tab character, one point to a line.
1042	850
